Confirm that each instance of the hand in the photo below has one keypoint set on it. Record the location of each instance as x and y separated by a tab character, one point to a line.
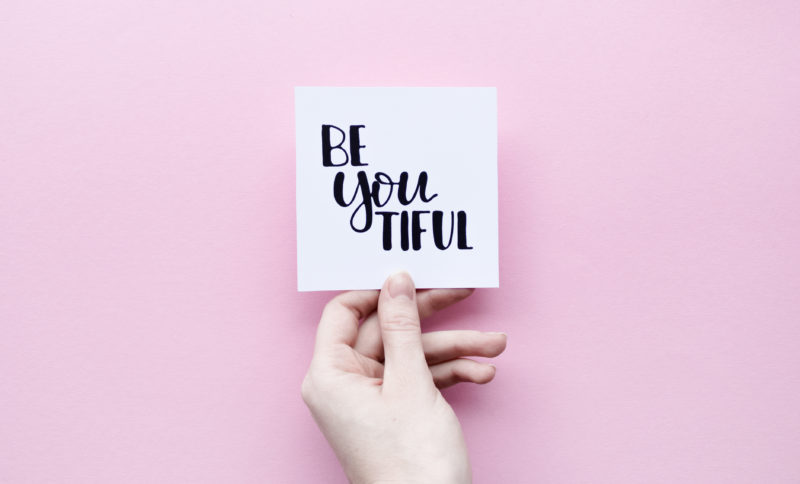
373	389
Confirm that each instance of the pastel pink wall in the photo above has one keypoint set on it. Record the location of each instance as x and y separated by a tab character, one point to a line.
150	330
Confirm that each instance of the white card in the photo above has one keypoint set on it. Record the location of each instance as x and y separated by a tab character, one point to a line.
393	179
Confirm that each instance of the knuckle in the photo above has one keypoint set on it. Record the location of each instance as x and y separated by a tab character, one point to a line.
330	306
337	307
401	322
459	373
307	390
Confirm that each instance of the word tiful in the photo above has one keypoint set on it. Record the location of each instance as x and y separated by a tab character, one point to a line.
378	192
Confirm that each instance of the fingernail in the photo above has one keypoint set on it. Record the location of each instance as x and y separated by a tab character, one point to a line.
401	285
496	332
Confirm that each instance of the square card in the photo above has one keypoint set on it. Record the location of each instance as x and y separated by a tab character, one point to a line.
393	179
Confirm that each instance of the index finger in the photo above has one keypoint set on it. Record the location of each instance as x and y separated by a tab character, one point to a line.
340	318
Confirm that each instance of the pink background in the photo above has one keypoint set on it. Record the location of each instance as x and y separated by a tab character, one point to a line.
650	234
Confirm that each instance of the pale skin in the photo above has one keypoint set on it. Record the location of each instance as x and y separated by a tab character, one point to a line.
373	387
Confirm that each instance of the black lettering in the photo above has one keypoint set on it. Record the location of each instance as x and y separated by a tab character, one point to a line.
355	146
366	199
387	229
462	231
416	229
327	148
438	219
422	183
404	230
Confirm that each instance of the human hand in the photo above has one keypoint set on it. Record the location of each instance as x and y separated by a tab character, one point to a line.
373	389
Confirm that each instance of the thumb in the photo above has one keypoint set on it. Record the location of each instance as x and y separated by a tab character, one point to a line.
405	364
